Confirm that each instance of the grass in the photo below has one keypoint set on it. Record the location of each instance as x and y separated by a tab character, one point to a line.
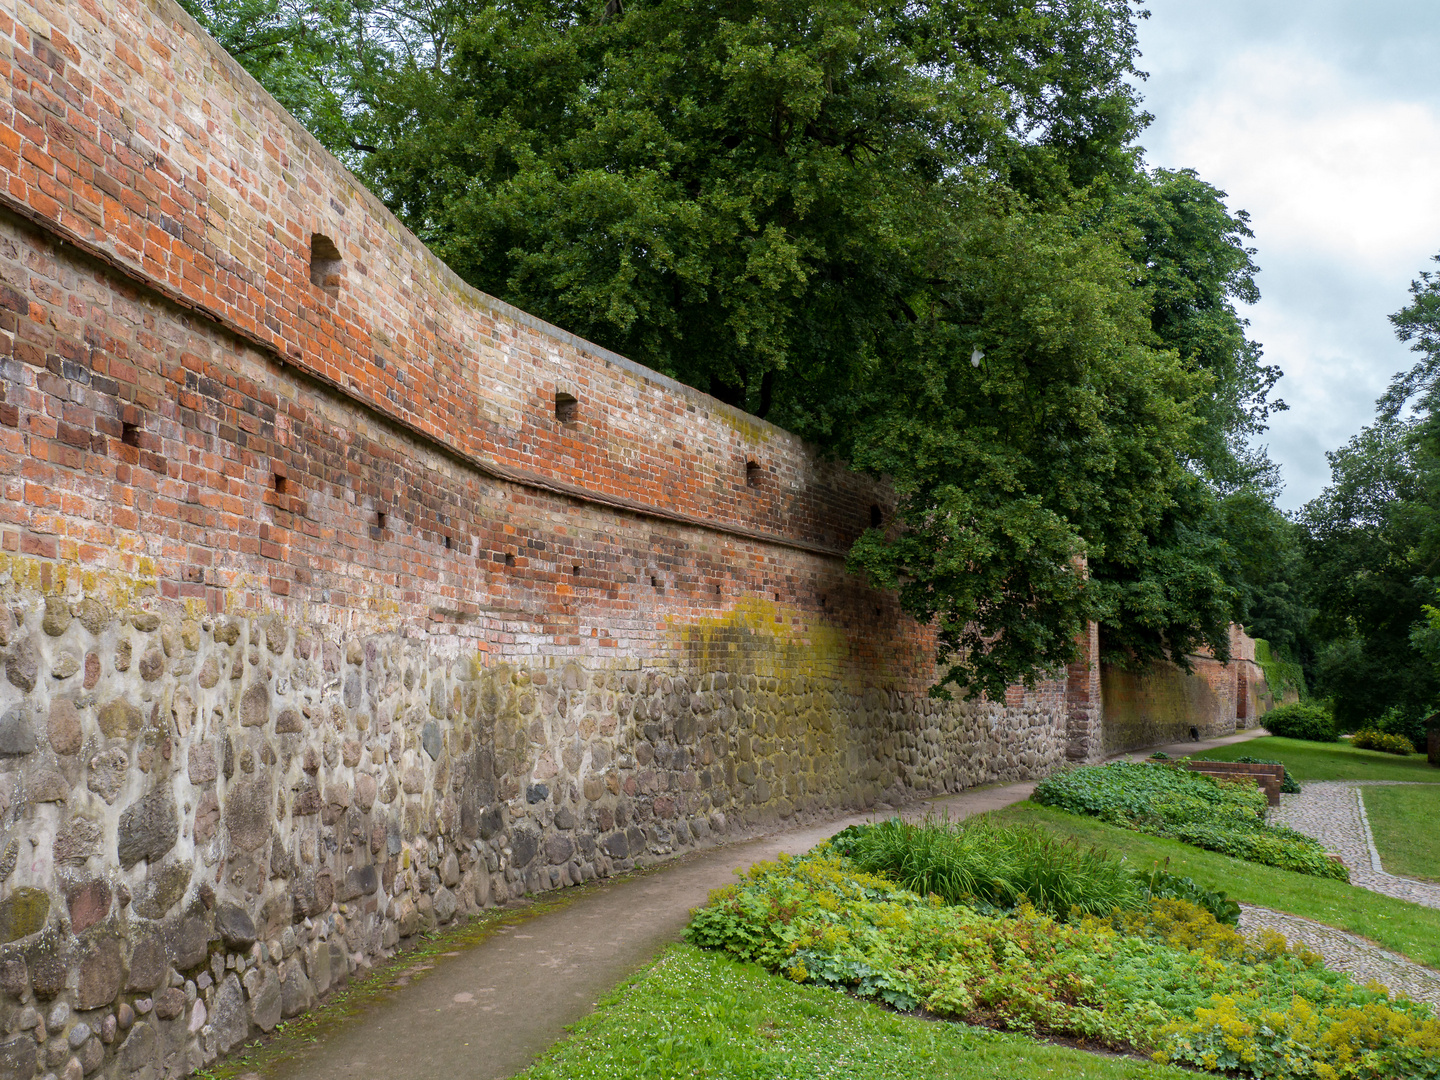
995	865
1402	819
1405	928
701	1014
1330	761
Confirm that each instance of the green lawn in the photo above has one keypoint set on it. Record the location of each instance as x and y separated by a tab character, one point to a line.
700	1014
1395	924
1403	821
1330	761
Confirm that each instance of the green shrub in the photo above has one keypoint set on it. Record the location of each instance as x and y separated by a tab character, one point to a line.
1301	720
1370	739
1168	980
1169	801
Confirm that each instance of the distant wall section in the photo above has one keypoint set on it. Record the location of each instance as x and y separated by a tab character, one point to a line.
1164	703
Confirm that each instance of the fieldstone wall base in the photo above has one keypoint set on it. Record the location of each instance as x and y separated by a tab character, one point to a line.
229	816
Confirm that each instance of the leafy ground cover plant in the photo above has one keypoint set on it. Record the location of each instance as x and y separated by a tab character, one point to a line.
1402	927
1163	800
1169	980
1301	720
1370	739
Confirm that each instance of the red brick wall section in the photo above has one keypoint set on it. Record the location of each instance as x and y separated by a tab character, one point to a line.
142	140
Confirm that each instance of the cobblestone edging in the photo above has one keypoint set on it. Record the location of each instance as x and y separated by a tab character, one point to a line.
1353	955
1332	812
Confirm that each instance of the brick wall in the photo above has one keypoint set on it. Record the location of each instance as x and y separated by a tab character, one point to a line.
1163	704
321	624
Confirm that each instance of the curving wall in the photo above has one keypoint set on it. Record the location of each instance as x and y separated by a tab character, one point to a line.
338	599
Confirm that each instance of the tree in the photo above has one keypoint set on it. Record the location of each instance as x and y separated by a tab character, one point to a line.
918	234
1365	538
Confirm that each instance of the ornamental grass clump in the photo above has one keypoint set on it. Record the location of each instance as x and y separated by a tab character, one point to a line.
1167	980
1004	867
1169	801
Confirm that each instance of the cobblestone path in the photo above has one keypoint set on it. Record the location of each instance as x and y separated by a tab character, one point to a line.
1361	959
1332	812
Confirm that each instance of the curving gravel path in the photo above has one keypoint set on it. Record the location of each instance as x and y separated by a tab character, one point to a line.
1353	955
1333	812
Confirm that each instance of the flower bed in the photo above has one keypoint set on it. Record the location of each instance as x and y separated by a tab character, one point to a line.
1168	980
1163	800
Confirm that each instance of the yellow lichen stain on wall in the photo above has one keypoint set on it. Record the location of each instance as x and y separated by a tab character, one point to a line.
115	589
758	637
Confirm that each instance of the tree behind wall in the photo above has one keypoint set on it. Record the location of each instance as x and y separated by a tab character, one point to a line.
918	234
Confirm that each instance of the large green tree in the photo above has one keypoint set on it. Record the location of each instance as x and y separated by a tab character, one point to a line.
1372	546
919	234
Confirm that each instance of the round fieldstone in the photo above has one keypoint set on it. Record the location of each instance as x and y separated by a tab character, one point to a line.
76	841
202	766
247	814
120	720
163	889
107	773
18	1057
229	1019
57	616
23	912
17	732
187	942
152	665
66	664
14	977
64	729
88	903
23	666
235	926
101	972
149	966
255	706
93	616
365	791
169	1003
138	1049
524	846
266	1002
148	829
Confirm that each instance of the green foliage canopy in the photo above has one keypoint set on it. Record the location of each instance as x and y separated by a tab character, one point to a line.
917	234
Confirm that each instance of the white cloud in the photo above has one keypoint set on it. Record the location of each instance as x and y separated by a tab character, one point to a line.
1339	174
1321	167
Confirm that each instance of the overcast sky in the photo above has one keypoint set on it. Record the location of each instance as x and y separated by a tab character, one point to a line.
1322	119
